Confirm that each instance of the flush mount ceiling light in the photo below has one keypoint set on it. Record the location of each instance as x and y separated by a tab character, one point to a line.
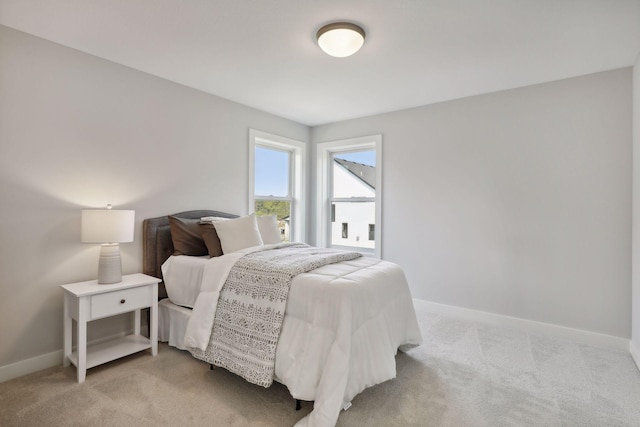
340	39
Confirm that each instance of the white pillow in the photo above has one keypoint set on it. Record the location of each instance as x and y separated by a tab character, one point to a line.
269	231
238	233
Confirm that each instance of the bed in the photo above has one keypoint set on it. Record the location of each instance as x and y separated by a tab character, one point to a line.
341	328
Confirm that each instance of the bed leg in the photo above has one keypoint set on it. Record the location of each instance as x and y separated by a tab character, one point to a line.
298	404
211	366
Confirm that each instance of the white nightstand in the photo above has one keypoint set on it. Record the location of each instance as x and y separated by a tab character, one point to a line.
86	301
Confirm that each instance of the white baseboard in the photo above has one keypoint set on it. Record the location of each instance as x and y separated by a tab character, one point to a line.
49	360
635	353
530	326
46	361
25	367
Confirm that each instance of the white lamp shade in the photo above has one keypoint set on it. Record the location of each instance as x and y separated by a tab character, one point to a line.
107	226
340	39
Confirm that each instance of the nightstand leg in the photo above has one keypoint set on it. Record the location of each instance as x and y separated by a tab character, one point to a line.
136	322
83	314
66	328
82	350
153	331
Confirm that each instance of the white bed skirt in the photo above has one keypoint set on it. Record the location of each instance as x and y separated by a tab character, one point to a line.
172	323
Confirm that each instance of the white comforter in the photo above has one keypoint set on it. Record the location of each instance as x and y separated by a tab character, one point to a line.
343	325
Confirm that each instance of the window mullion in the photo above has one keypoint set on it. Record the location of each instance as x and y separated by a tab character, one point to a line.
276	198
353	199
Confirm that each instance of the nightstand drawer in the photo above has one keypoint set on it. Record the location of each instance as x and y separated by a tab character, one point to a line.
122	301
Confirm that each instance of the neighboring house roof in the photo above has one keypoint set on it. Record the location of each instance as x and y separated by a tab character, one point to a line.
365	173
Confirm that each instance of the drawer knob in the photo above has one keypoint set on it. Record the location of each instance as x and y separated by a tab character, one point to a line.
122	301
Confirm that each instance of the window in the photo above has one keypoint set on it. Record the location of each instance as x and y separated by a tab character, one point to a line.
349	194
276	181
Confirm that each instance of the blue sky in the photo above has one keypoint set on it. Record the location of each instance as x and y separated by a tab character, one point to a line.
364	157
272	169
272	172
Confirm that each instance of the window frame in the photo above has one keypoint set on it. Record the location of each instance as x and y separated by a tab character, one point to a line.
297	160
325	152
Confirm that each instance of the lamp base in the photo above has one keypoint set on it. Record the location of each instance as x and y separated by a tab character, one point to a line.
109	266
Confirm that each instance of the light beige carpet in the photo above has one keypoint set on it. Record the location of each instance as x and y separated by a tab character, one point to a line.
465	374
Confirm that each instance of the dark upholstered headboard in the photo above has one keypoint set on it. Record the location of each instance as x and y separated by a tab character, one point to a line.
157	245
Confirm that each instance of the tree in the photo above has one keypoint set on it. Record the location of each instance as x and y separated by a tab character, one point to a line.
281	208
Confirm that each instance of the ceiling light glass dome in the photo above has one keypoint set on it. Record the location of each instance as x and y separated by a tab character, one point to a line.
340	39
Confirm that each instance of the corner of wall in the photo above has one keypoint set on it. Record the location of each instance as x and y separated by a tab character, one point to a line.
634	346
635	354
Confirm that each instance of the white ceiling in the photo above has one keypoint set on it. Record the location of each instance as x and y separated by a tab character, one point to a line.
262	53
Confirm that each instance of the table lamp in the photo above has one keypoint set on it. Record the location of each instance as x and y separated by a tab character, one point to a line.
108	227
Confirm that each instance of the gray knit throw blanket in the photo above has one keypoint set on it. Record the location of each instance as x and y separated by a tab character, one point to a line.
251	308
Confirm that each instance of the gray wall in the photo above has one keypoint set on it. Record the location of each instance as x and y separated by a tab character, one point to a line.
77	131
516	202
